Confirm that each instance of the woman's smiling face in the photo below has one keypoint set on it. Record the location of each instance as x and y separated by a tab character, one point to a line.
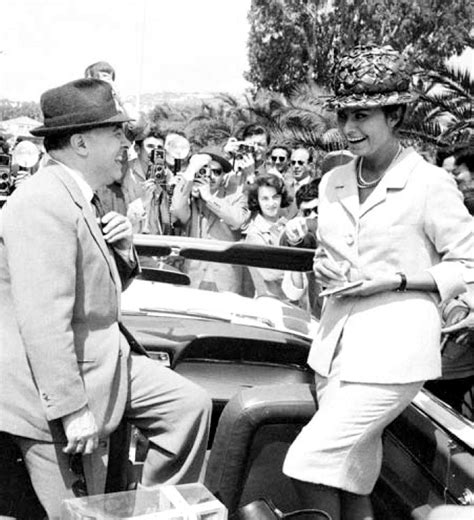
269	202
367	130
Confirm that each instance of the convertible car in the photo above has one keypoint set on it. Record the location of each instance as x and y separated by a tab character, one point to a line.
250	354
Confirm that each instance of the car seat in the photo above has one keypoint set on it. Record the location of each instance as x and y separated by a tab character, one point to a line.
254	433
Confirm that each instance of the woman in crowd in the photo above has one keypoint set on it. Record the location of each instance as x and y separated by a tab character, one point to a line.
397	224
267	197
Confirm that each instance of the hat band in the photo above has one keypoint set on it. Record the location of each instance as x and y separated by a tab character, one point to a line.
92	115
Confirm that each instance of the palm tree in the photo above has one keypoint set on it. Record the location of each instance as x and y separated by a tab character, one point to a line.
443	115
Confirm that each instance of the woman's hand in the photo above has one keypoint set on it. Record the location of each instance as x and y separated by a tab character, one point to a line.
373	286
328	272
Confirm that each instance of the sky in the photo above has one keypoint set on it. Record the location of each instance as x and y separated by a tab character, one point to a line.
154	45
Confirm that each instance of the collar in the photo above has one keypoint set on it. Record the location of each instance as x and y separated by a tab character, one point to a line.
303	182
86	190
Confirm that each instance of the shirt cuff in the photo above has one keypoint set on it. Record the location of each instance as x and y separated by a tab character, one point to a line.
449	278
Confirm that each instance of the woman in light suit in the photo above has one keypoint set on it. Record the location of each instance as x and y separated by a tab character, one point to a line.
397	224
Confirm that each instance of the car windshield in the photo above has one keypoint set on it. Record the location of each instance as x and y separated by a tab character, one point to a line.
191	278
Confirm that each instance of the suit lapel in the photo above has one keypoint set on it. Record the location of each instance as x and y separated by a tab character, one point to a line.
346	191
91	221
395	179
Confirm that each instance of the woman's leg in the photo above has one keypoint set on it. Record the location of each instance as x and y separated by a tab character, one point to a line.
356	507
316	496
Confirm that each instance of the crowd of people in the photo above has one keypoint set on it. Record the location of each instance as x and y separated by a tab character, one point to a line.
377	214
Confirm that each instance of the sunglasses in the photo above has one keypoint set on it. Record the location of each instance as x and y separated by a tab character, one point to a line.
278	158
309	211
299	163
216	171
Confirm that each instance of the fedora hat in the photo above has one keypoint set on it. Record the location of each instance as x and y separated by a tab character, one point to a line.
79	105
217	155
371	76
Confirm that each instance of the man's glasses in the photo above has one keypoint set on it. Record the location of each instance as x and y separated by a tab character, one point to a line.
216	171
307	212
299	163
278	158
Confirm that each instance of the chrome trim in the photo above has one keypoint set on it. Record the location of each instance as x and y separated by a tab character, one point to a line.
447	418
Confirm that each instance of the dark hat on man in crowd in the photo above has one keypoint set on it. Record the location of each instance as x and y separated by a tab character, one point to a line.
79	105
217	155
371	76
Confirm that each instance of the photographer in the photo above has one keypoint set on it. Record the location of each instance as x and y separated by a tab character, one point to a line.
148	186
248	154
203	203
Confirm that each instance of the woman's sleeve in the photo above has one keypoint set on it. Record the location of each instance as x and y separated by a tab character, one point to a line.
450	228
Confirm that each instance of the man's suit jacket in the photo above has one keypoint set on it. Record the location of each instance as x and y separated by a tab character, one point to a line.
60	344
413	221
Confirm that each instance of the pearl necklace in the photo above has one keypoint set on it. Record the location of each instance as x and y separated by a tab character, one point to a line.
363	183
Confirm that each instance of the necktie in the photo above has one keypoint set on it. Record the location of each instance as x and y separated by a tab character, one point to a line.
97	204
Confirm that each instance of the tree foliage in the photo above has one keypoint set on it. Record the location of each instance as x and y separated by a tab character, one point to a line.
13	109
296	41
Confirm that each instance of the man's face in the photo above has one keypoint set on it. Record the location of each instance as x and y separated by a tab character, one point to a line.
279	159
259	142
107	149
216	175
144	151
300	165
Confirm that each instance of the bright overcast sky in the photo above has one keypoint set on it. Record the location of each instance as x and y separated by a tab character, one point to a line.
180	45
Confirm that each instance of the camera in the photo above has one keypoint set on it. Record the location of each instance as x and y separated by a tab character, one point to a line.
156	169
6	177
202	173
244	149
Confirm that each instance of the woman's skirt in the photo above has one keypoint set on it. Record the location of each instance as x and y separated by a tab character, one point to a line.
341	446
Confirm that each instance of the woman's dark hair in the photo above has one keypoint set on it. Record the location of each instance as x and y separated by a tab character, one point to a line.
390	110
272	181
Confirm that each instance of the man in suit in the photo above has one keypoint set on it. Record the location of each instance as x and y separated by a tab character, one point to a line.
67	371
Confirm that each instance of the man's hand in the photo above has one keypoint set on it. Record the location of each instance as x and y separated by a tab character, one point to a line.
246	165
117	230
296	229
197	161
81	432
232	146
203	187
149	188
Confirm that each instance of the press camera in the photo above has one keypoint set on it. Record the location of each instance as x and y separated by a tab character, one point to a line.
6	178
156	168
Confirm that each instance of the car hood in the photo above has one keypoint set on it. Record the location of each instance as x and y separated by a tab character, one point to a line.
266	313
